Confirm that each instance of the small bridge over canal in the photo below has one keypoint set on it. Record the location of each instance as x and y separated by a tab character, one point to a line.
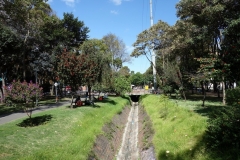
140	92
136	93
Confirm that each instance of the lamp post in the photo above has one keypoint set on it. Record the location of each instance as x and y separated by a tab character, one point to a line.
56	84
36	92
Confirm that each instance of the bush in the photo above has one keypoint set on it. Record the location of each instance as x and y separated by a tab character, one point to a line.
233	97
122	85
24	94
223	131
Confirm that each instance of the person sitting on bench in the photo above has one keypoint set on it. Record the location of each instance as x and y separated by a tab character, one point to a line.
77	99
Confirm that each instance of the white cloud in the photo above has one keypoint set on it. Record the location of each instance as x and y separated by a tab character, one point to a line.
70	3
114	12
117	2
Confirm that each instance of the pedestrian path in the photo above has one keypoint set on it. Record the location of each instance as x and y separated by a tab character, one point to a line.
11	117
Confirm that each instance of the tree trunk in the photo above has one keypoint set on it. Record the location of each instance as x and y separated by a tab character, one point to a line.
204	94
224	91
51	90
203	85
1	95
184	95
3	92
215	88
89	92
72	102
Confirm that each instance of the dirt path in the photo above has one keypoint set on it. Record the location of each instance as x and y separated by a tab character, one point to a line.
129	147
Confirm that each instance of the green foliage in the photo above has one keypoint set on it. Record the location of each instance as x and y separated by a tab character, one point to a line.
122	85
223	131
9	46
117	63
233	97
167	89
79	32
54	34
137	79
93	61
101	87
125	71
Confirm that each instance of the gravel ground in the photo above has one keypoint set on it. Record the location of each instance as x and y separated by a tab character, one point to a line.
148	154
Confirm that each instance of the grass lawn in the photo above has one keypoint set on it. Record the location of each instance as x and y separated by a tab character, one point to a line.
179	126
64	134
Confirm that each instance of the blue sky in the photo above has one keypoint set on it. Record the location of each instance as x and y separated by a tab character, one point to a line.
124	18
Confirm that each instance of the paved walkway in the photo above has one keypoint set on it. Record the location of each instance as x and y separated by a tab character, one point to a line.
8	118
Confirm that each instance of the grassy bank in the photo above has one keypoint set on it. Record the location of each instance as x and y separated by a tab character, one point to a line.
179	129
65	134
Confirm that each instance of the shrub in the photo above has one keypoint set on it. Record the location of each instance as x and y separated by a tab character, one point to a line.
122	85
23	93
233	97
223	131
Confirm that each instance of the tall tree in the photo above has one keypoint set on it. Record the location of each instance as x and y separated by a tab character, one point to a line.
19	35
220	21
137	79
94	61
26	21
78	30
124	71
117	49
70	70
155	38
54	38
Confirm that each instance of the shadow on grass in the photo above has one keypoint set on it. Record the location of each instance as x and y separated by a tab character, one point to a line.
107	100
208	108
200	149
199	97
143	96
203	146
85	105
7	110
206	111
4	111
35	121
127	98
184	154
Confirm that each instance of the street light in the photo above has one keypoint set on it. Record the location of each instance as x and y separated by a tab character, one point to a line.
36	92
56	84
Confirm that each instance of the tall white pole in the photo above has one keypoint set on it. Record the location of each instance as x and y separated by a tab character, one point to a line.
153	54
